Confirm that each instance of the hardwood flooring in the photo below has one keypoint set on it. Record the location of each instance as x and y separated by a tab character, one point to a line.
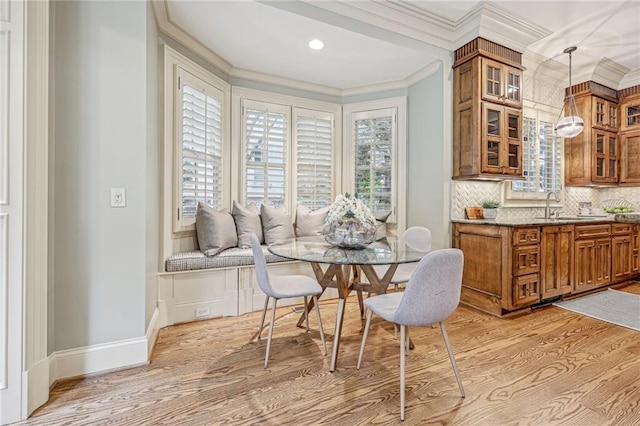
549	367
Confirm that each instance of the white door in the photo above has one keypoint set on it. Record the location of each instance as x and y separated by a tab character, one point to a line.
11	208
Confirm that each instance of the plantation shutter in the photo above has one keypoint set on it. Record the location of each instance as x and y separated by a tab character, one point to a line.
314	170
541	158
201	177
374	138
265	128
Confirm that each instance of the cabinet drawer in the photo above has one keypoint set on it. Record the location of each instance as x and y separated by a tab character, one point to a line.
525	260
524	236
526	290
621	229
592	231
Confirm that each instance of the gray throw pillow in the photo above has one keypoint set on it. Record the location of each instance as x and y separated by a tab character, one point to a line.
276	224
381	223
310	222
247	222
215	229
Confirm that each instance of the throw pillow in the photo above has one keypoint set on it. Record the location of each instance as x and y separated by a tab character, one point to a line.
381	223
276	224
247	222
310	222
215	229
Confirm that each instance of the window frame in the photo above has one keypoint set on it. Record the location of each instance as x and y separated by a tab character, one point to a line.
371	109
240	97
173	222
513	198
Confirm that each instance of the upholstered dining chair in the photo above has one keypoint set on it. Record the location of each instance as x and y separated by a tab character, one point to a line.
417	238
283	287
431	295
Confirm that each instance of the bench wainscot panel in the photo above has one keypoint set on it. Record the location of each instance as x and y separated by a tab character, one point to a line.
197	287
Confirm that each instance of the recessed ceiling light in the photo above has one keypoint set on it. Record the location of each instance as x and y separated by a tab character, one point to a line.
316	44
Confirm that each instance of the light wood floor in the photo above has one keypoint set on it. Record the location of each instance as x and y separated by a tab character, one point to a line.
545	368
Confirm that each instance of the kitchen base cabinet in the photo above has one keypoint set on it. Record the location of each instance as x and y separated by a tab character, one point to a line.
510	268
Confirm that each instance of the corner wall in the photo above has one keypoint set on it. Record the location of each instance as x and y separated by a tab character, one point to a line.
100	142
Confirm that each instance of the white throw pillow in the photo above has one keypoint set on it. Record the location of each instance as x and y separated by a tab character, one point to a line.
215	229
247	222
310	222
276	224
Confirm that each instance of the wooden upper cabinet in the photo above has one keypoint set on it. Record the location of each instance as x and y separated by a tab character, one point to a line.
630	113
487	112
501	83
605	156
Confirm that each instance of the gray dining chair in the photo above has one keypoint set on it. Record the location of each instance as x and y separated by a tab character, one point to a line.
431	295
417	238
283	287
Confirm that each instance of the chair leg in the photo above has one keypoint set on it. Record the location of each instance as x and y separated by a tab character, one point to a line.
407	340
306	313
324	342
364	338
360	303
403	346
273	318
395	288
453	360
264	312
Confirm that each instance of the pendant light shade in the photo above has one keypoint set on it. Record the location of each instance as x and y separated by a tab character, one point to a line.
571	125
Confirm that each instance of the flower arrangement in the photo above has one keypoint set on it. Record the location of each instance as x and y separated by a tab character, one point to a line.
349	207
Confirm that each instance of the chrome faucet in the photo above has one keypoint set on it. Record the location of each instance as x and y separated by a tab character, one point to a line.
547	209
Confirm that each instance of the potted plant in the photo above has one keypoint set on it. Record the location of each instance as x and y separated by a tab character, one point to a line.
490	209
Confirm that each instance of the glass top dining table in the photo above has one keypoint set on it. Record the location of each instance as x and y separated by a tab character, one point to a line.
343	269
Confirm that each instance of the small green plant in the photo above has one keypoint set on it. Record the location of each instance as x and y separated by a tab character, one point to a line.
490	204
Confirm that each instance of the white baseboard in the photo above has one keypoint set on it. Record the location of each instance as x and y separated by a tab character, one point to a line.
36	384
98	358
152	332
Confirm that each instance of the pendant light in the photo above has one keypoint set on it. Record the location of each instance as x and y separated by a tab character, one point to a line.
571	125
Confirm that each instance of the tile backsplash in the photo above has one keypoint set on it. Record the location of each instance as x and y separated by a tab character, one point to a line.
471	193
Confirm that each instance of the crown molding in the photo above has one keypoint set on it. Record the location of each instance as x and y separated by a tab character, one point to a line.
171	29
283	81
609	73
629	80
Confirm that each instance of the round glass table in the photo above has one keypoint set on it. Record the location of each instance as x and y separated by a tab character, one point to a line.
343	269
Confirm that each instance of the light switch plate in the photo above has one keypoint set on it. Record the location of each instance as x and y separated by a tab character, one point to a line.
118	197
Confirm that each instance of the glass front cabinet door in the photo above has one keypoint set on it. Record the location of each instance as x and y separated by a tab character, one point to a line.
501	140
605	156
501	83
630	114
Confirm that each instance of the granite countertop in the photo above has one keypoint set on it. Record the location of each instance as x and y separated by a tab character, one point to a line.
620	217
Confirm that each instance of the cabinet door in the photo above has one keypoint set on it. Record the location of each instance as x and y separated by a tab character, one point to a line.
603	261
525	260
630	114
501	83
635	249
593	264
605	156
513	146
621	257
492	138
556	272
604	114
630	157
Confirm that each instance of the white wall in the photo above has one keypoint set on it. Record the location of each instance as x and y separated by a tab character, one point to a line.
429	156
99	115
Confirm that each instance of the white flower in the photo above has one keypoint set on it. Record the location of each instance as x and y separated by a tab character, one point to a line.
346	206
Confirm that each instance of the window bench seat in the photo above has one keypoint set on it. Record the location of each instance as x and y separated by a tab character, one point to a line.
196	286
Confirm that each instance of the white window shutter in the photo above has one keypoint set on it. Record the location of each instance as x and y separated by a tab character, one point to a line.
314	168
266	136
201	177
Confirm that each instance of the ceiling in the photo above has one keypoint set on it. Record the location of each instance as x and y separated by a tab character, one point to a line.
371	42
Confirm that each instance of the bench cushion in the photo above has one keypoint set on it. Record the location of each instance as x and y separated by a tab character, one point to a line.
194	260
